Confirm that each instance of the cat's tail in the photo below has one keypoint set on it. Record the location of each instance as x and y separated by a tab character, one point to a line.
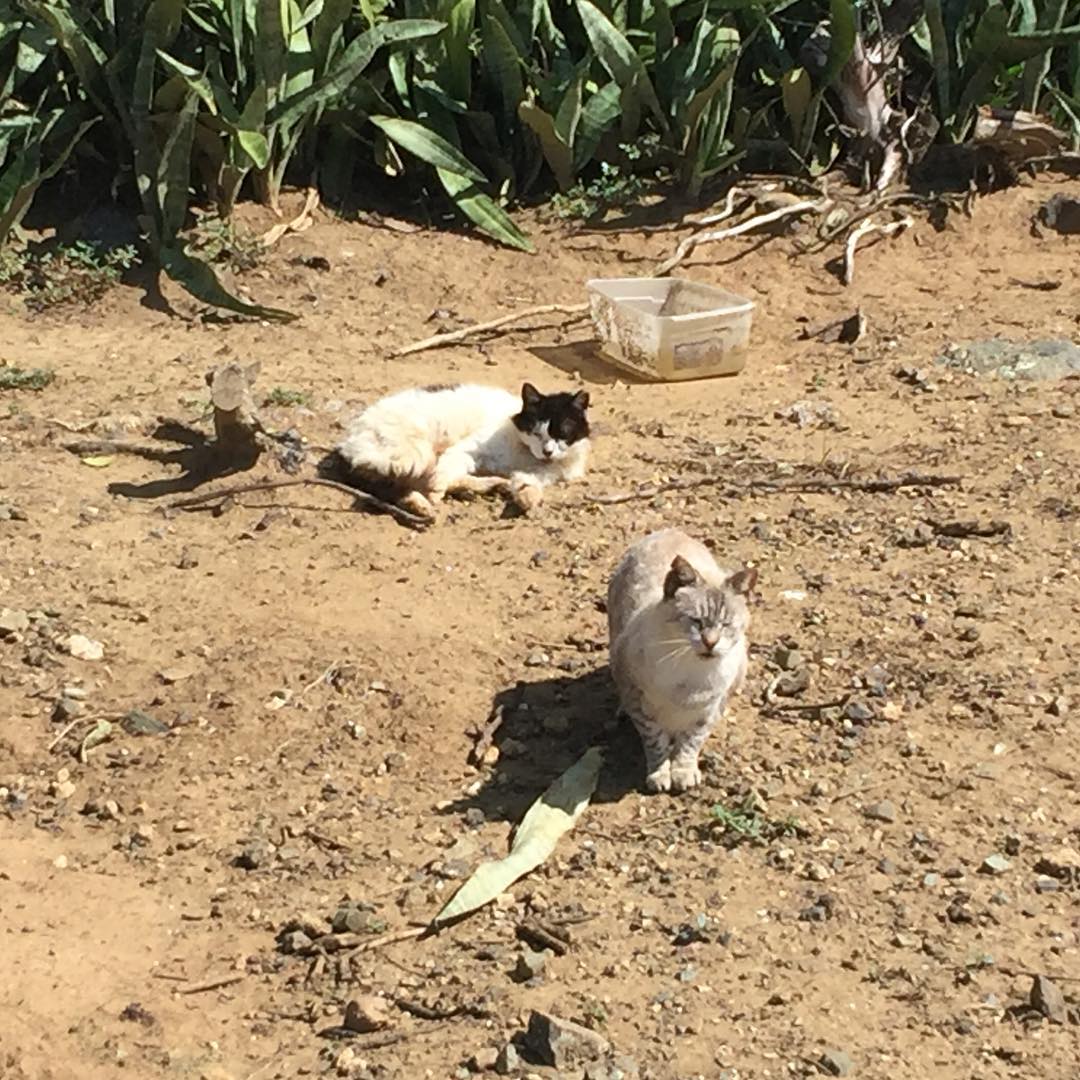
389	468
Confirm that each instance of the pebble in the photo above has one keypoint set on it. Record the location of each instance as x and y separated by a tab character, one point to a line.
66	709
60	862
562	1043
886	866
931	880
995	864
255	855
508	1060
484	1060
84	648
858	713
837	1063
296	941
530	965
1047	999
64	789
538	658
881	811
13	622
396	759
366	1014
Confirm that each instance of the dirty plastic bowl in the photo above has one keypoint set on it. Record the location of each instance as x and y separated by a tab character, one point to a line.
670	329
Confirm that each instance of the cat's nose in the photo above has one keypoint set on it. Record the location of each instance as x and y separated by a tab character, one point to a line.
710	639
549	450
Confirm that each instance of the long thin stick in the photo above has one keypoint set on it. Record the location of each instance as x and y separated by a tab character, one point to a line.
808	485
213	984
414	521
861	230
454	336
691	242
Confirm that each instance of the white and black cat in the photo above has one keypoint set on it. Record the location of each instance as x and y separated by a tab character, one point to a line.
417	446
677	631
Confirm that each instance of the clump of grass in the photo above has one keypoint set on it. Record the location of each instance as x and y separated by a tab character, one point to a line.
222	241
746	821
17	378
615	188
68	274
286	398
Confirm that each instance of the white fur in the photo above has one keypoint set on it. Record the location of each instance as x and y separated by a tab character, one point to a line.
460	439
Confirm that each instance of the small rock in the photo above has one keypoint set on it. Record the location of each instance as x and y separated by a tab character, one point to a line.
881	811
530	965
61	862
172	675
64	789
295	941
350	919
13	622
1059	706
66	709
562	1043
858	712
995	864
484	1060
1048	1000
255	855
886	866
508	1060
474	817
84	648
537	658
1047	885
366	1014
837	1063
396	759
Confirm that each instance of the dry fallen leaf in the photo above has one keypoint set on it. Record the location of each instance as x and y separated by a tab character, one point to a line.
99	461
552	815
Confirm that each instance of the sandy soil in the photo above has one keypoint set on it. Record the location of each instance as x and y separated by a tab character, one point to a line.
322	674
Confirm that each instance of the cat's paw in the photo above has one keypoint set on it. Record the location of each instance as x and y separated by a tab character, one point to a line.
659	780
685	777
527	497
417	503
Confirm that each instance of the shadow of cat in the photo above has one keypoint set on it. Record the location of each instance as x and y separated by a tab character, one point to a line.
546	726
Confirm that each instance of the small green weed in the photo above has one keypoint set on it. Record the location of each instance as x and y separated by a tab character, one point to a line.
614	188
16	378
219	241
747	821
78	273
287	398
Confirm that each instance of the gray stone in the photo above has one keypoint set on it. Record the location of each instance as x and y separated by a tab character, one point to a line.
350	919
295	941
562	1043
484	1060
1053	359
508	1060
837	1063
255	855
66	709
995	864
1048	1000
881	811
530	965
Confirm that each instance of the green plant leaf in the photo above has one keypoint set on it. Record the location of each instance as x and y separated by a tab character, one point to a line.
557	154
842	34
503	64
427	146
351	63
555	813
19	201
618	57
598	116
939	54
459	28
199	279
483	211
174	171
796	91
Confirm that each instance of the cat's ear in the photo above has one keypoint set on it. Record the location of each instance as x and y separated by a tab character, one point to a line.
743	581
530	395
679	576
580	400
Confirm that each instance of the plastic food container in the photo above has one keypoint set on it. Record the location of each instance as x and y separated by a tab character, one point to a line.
670	329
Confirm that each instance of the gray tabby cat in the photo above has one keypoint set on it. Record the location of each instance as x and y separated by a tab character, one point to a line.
677	631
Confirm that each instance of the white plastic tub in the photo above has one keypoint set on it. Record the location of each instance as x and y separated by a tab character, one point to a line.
670	329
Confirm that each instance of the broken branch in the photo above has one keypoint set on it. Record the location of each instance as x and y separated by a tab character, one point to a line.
452	337
414	521
691	242
864	228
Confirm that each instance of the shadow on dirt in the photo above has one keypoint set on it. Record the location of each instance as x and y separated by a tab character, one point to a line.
546	726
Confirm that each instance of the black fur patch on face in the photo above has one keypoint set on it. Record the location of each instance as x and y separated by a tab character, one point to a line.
564	414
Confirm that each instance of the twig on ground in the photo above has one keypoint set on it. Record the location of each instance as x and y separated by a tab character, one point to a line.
425	1012
486	736
537	933
691	242
414	521
212	984
807	485
82	447
722	215
359	943
321	678
864	228
64	734
376	1042
453	337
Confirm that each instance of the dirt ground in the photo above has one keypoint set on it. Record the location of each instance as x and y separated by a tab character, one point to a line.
322	674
